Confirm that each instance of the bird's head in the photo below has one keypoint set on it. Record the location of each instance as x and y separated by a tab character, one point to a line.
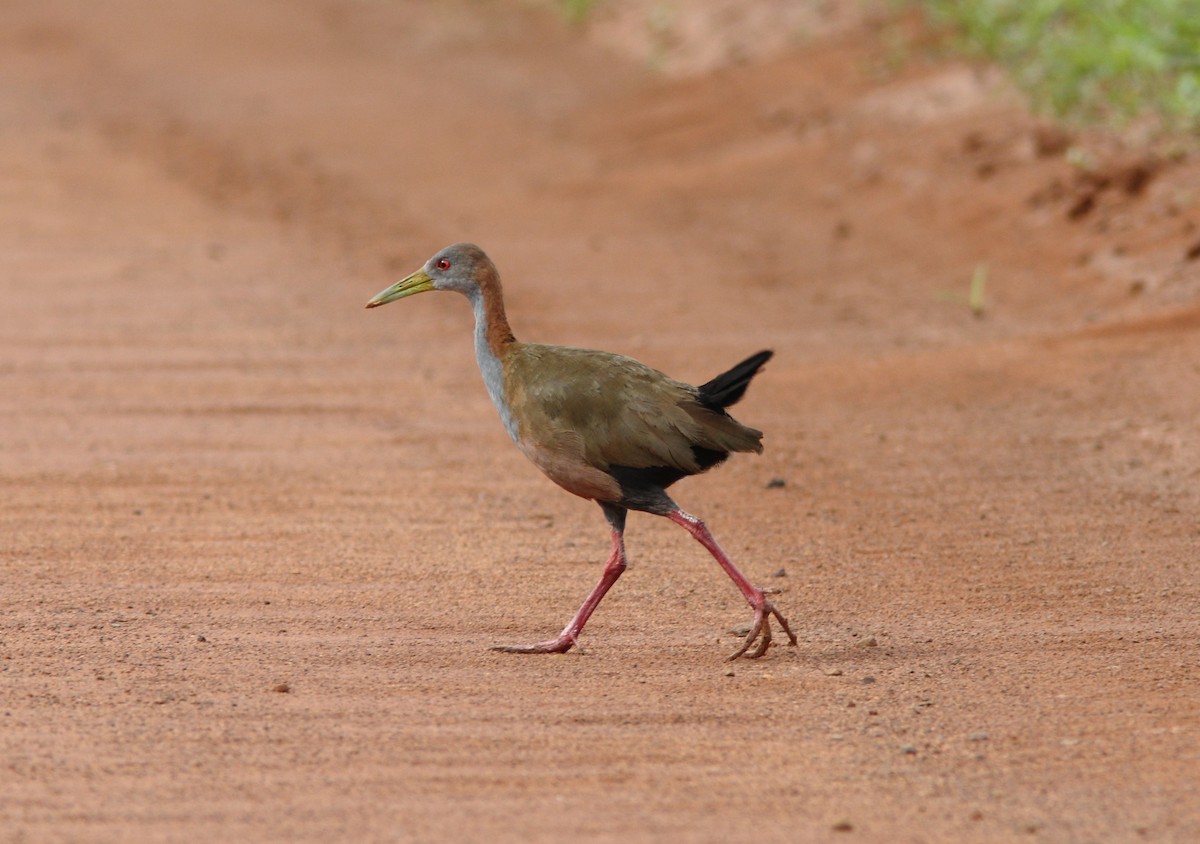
462	267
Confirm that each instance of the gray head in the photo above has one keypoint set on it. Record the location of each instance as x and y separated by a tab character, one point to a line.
462	267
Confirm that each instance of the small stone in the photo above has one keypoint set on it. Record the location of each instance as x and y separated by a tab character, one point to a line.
977	737
779	573
908	750
729	672
869	642
833	672
742	630
868	679
281	688
776	483
201	639
843	826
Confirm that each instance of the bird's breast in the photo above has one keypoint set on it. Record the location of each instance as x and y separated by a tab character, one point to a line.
564	464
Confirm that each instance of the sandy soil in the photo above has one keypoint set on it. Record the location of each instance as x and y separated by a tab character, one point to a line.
258	540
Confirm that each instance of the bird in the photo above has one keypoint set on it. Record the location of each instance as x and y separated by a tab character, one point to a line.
602	426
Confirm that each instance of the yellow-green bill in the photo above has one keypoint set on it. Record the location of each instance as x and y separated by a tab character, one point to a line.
418	282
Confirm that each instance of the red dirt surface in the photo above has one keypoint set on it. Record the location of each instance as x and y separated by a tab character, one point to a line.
257	540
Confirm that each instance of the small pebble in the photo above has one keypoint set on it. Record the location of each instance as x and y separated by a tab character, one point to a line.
868	679
869	642
282	688
908	750
201	639
779	573
833	672
843	826
741	629
977	737
729	672
776	483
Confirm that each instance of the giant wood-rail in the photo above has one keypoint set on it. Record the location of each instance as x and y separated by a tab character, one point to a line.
602	426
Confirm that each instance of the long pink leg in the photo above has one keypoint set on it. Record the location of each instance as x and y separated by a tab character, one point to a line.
567	638
763	610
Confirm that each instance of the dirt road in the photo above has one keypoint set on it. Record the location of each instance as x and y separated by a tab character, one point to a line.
257	540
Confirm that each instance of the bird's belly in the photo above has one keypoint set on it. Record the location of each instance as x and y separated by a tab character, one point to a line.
572	473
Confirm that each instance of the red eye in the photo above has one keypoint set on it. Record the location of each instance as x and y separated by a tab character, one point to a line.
442	264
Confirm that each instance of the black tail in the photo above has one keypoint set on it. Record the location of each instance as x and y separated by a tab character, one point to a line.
729	387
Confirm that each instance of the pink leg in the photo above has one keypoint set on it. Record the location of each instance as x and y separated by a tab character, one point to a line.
567	638
763	610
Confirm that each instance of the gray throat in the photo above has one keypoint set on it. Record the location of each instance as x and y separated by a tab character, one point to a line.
490	366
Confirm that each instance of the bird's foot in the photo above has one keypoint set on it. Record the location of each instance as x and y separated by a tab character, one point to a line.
761	632
555	646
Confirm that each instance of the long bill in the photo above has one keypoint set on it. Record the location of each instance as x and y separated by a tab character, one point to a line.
418	282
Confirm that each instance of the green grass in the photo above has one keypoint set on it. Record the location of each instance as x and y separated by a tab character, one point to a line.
1106	61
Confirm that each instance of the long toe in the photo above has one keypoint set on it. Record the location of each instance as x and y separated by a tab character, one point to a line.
555	646
759	638
782	623
764	641
761	621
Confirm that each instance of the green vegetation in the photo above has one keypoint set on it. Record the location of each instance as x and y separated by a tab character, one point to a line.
975	296
1105	61
1090	60
576	11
